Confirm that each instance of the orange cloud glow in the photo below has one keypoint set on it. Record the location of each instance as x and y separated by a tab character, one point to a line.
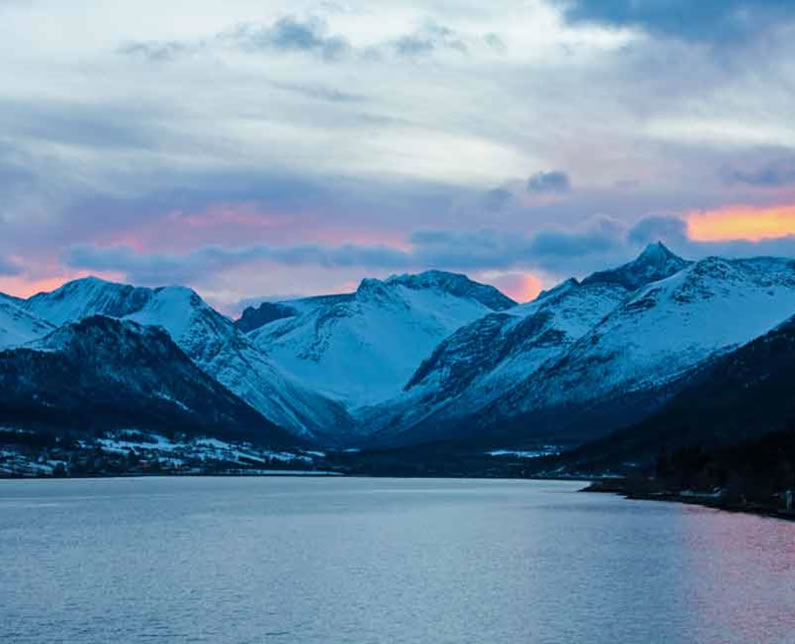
741	222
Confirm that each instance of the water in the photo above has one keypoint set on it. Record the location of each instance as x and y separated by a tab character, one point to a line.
367	560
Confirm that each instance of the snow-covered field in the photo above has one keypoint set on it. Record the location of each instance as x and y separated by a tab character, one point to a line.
132	451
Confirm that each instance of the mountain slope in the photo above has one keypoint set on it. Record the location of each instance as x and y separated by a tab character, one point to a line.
18	326
736	397
363	347
101	374
629	363
209	339
481	361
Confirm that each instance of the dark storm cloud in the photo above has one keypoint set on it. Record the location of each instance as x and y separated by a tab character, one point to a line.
554	181
716	21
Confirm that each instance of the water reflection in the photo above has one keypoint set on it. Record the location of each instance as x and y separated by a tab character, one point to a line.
362	560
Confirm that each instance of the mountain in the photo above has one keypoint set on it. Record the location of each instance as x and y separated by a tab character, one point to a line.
654	263
18	326
437	357
639	355
209	339
363	347
733	399
481	361
102	374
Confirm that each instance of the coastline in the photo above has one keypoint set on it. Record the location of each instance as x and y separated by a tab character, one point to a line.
688	497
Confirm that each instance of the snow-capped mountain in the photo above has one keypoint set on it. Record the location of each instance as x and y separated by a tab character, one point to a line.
631	361
18	326
208	338
417	358
738	396
483	360
102	373
363	347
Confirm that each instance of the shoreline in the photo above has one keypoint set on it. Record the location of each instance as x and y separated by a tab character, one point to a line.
618	486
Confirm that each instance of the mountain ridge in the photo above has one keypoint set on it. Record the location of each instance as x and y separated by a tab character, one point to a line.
104	373
435	356
360	348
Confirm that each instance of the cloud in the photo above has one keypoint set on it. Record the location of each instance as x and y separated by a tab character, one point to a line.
658	227
150	268
75	123
497	199
321	93
428	39
463	250
717	21
291	34
494	41
312	35
158	51
601	242
774	174
9	267
555	181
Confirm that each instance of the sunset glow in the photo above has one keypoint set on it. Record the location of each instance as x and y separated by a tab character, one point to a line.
521	287
19	286
741	222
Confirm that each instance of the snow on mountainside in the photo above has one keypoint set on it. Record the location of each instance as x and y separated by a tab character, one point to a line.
739	396
488	357
650	341
363	347
18	326
438	356
208	338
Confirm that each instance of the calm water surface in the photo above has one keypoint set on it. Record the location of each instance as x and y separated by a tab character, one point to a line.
378	560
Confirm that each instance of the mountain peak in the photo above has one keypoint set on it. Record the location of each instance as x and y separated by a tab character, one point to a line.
656	262
657	252
455	284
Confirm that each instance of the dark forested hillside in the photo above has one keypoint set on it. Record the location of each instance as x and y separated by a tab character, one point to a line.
103	374
735	398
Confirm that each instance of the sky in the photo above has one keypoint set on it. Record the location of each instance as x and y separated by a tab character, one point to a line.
266	149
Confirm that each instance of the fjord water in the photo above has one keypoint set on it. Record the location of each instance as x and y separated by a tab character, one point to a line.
381	560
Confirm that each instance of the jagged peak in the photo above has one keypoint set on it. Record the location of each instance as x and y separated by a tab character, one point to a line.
657	252
654	263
